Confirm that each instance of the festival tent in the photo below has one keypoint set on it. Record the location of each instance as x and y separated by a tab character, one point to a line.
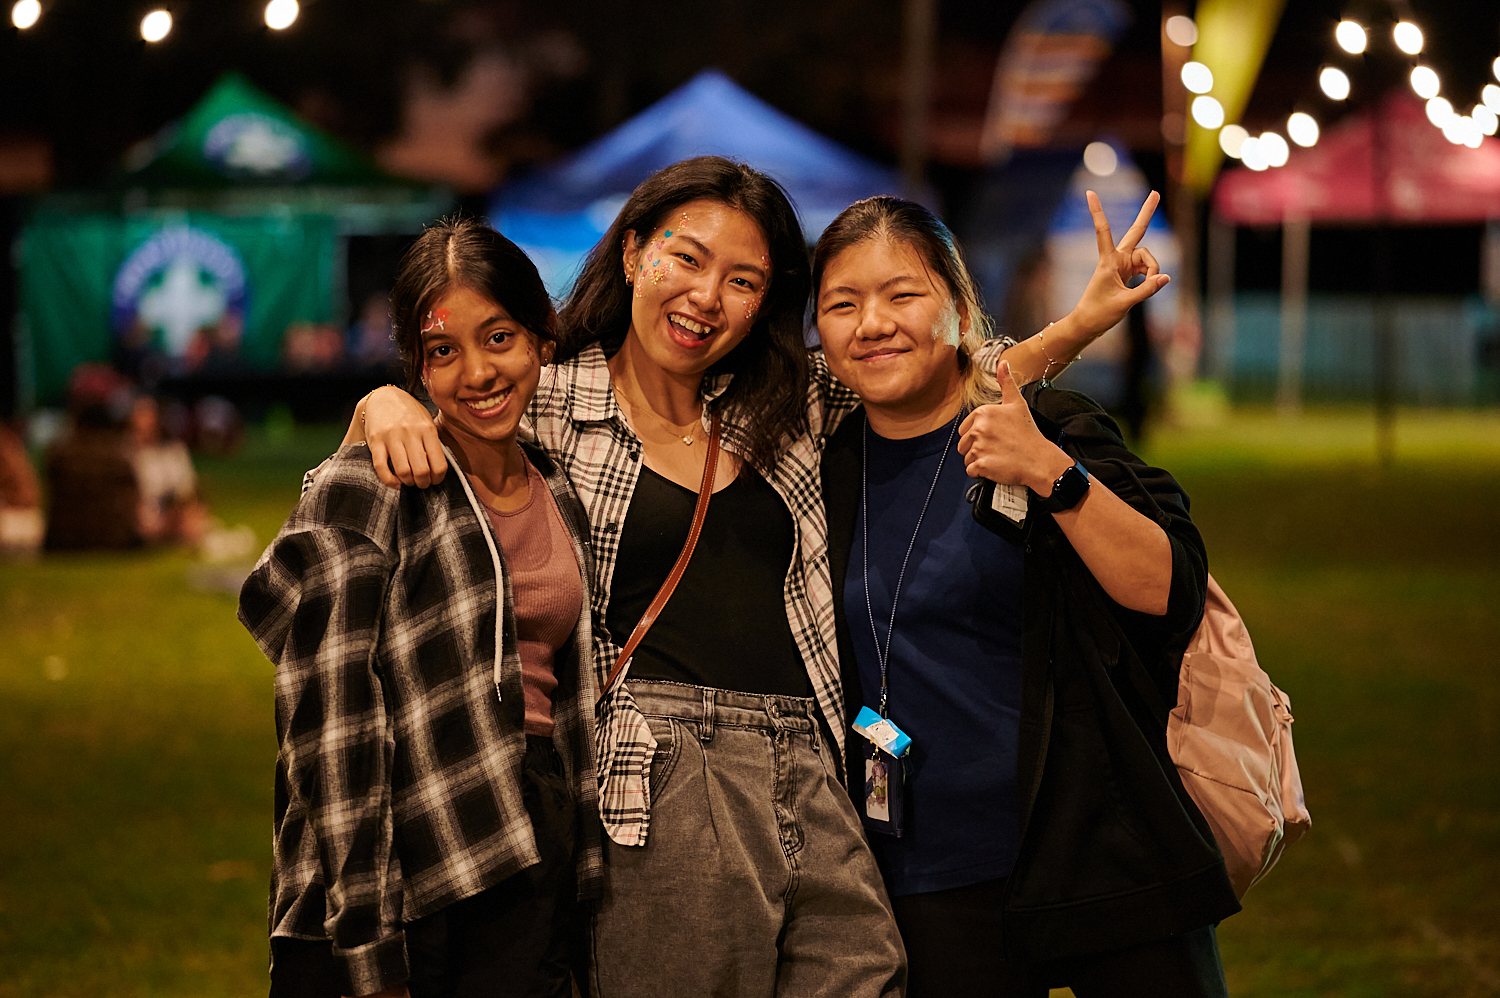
1390	167
1428	180
226	230
558	213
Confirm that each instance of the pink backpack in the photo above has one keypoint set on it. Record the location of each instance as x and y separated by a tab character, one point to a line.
1230	736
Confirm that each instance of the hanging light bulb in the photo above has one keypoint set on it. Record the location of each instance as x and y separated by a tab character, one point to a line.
1424	80
1408	37
1439	111
1182	30
1252	156
1351	37
1231	138
1198	78
1208	112
25	13
1100	158
1335	82
280	14
156	25
1487	120
1303	128
1274	148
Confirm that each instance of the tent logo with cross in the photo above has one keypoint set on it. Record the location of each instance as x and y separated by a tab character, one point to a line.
181	293
253	145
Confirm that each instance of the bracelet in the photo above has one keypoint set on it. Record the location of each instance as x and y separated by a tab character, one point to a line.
1041	338
360	405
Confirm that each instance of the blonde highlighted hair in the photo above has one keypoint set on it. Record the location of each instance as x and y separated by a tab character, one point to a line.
901	221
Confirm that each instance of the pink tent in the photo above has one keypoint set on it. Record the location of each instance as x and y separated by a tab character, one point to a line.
1429	180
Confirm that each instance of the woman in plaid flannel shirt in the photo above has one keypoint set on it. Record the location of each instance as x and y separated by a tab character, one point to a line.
435	783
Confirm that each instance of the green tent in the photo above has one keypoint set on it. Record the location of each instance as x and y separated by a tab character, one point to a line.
227	229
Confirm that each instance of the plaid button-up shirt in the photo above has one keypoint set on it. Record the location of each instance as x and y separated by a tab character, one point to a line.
399	709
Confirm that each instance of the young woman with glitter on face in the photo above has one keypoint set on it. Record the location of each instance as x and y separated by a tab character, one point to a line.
435	783
725	744
1044	839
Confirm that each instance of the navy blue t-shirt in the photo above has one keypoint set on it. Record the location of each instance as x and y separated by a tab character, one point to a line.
954	669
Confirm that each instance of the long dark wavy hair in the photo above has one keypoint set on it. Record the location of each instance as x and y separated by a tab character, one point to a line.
770	366
464	253
901	221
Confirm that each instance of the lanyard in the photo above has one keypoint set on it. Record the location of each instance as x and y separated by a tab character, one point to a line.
883	653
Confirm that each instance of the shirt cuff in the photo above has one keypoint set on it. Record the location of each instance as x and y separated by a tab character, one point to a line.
375	966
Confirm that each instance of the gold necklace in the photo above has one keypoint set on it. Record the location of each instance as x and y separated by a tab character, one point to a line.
688	439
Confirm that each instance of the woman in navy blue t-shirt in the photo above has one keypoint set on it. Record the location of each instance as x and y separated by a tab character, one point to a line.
950	631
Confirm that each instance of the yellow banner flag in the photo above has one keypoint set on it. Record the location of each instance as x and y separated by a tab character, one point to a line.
1233	36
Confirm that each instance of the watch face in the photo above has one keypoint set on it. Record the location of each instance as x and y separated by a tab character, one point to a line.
1067	491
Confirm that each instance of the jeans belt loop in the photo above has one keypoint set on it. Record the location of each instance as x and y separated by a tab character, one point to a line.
706	729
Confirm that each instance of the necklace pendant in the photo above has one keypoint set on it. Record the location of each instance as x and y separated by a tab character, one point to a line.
688	440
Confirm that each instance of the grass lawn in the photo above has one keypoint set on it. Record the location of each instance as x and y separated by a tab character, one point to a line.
136	743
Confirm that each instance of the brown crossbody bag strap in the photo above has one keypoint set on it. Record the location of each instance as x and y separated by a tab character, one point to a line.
665	592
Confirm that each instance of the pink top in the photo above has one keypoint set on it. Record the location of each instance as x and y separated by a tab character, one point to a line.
548	592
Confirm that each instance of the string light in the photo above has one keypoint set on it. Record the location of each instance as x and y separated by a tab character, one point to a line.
1424	80
1439	111
1231	138
1408	37
25	13
1491	97
1208	112
156	25
1486	119
1303	128
1198	78
1335	82
1182	30
1100	159
280	14
1351	37
1252	156
1274	148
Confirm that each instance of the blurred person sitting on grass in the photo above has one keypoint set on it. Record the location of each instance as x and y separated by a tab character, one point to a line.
435	787
170	510
94	499
22	525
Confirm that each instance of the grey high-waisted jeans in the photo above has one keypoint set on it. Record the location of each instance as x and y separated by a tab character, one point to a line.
755	880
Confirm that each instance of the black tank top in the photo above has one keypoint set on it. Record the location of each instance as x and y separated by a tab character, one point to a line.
725	625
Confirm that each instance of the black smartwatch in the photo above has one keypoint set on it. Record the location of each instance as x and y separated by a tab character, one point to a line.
1068	491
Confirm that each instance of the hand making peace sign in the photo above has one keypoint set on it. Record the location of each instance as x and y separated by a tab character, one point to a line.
1109	295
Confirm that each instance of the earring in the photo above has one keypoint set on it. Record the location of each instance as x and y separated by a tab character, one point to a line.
628	278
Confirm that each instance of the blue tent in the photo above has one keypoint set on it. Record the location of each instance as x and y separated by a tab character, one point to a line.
558	213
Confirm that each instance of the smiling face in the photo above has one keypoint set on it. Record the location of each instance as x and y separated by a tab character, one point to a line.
890	330
699	282
480	367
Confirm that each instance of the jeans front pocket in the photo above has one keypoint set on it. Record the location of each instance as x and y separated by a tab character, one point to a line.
668	734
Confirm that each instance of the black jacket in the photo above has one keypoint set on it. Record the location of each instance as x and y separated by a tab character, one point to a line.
1113	851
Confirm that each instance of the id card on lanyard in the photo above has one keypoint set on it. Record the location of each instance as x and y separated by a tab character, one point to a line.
885	776
886	744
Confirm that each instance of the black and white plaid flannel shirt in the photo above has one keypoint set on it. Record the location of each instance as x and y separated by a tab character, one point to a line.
399	709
